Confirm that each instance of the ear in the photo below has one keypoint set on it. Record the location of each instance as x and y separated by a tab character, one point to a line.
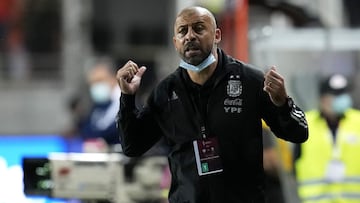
174	42
217	36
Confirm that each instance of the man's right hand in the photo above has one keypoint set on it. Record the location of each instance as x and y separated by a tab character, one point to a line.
129	77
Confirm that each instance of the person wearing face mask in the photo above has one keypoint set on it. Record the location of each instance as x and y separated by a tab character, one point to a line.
209	111
104	93
327	166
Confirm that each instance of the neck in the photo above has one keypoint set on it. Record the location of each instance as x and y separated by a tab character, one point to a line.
330	116
202	76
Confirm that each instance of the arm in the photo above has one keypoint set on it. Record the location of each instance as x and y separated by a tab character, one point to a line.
287	122
283	116
139	129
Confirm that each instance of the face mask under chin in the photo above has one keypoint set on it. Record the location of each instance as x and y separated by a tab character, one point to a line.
207	62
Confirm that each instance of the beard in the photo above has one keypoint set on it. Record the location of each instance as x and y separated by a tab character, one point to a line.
194	54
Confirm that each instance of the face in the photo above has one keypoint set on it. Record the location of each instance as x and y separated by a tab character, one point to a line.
335	104
100	83
99	74
195	35
325	104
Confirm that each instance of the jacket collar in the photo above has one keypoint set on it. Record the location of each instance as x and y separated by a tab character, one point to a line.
225	63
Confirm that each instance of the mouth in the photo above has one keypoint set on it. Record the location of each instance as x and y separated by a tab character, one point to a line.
191	46
192	49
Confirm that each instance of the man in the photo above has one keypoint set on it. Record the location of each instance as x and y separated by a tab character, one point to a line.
104	93
327	166
209	111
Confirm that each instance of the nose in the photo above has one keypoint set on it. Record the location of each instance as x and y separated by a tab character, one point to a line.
190	35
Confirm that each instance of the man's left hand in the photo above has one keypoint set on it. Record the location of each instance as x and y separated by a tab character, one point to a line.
274	85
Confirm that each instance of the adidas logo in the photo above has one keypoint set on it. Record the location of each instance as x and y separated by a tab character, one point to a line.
174	96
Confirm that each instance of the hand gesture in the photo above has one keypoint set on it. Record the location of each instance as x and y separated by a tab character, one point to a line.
275	87
129	77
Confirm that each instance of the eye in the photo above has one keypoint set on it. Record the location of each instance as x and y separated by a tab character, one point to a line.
182	31
198	28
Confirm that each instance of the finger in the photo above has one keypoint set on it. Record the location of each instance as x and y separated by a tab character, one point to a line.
268	90
272	68
120	74
267	86
267	75
274	81
122	82
268	70
270	87
273	86
129	76
270	81
275	75
141	71
122	71
133	66
131	71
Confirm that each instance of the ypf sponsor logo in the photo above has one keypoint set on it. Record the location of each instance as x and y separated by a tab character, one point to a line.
233	105
232	109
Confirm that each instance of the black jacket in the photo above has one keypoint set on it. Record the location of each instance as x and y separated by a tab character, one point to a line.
235	106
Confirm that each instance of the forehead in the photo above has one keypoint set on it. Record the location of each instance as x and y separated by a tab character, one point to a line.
98	73
192	17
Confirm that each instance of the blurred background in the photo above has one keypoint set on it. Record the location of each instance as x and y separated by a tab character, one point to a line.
46	48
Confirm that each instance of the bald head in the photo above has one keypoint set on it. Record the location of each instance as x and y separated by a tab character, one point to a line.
195	34
189	12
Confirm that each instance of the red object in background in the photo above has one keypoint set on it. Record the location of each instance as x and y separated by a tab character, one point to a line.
64	171
234	26
6	7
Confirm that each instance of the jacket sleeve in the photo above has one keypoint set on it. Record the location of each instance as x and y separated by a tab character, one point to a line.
139	129
287	122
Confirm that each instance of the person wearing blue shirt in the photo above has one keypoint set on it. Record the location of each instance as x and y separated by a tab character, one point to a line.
104	93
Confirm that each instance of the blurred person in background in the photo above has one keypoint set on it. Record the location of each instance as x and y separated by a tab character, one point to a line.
272	167
12	40
99	124
209	111
327	166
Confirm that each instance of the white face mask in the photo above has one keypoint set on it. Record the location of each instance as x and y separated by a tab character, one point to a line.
207	62
341	103
100	92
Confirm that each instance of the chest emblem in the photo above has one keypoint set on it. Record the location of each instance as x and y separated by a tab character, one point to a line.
234	86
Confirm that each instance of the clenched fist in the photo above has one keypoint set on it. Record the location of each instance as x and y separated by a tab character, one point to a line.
275	87
129	77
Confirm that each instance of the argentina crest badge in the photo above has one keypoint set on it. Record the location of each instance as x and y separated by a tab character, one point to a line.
234	86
